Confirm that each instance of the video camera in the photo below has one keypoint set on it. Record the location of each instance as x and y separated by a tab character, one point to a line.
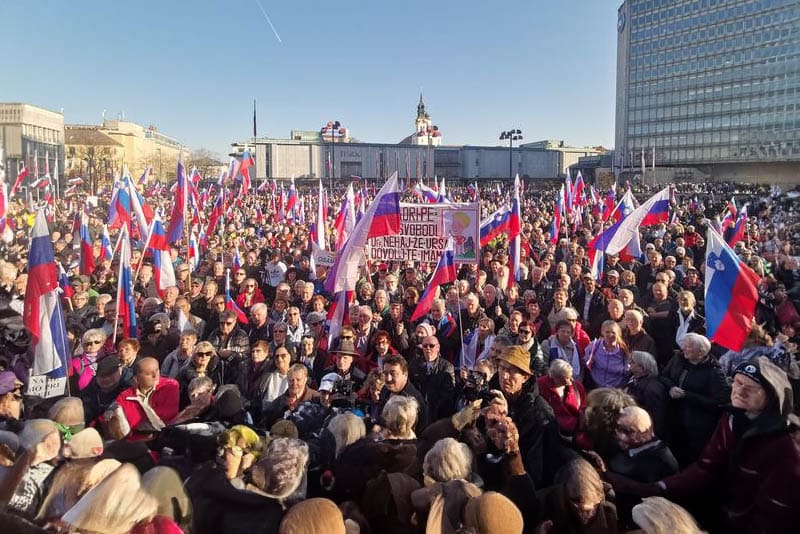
476	386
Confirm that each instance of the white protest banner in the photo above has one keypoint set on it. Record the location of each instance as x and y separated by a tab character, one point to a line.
44	387
324	258
424	231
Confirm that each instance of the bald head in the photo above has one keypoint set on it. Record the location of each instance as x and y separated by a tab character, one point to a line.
146	374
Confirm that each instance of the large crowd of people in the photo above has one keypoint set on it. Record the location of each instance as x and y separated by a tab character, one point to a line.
562	402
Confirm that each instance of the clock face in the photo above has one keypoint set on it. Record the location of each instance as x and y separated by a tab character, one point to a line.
621	21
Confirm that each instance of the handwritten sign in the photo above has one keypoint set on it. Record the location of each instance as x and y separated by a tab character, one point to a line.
424	231
44	387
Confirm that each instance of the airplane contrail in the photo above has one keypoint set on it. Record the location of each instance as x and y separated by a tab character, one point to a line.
263	11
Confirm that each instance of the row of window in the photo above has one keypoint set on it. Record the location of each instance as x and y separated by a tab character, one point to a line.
679	8
41	133
754	80
654	108
723	153
707	34
647	27
715	137
775	42
744	60
774	122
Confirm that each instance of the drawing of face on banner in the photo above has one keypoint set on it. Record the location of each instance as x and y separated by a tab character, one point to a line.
461	224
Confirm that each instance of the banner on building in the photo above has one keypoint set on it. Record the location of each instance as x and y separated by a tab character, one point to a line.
424	231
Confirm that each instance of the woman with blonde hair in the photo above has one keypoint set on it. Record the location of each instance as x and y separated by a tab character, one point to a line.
117	505
657	515
84	366
607	358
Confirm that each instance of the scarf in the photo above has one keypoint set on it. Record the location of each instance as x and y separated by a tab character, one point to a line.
557	351
683	326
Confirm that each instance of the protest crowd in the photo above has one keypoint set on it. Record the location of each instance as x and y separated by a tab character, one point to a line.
217	379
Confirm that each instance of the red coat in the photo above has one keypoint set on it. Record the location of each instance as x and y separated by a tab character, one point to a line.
163	401
258	296
758	476
567	409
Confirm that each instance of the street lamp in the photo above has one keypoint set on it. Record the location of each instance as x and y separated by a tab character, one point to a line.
512	135
334	129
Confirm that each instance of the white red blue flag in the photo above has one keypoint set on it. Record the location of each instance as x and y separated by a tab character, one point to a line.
42	313
177	220
157	245
244	169
445	273
494	225
514	236
382	218
731	294
126	302
87	246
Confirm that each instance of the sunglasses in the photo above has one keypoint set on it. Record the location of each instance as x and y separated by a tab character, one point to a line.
280	331
94	342
429	346
205	354
525	332
348	337
229	323
316	323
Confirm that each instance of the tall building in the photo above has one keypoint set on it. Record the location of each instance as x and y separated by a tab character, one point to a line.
710	84
32	135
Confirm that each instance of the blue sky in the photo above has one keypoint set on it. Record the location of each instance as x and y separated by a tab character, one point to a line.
193	67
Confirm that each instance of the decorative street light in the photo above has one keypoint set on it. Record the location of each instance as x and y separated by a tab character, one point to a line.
512	135
333	129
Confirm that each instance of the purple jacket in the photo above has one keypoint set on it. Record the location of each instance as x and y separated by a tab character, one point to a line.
609	369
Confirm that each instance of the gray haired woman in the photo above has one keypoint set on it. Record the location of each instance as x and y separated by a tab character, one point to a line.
644	386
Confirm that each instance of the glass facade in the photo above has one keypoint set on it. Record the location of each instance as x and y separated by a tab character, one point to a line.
709	81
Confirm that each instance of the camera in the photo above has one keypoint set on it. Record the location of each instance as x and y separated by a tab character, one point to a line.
343	394
476	387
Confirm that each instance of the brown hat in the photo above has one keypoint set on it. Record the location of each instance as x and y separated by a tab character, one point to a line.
518	357
492	513
345	346
313	516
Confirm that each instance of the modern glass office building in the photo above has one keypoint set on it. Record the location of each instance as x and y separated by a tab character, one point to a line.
707	82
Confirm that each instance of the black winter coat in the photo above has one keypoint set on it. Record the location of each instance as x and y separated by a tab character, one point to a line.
692	419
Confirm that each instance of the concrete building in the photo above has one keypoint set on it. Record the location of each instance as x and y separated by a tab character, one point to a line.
567	155
136	146
28	132
710	84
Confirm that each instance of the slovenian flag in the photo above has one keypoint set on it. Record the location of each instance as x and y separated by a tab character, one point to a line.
163	271
244	169
514	236
494	225
126	302
87	247
180	202
382	218
42	315
731	294
445	273
230	304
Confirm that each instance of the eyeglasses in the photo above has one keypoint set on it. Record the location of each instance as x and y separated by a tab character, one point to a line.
281	354
429	346
525	332
347	337
205	354
280	331
250	286
229	323
94	342
316	323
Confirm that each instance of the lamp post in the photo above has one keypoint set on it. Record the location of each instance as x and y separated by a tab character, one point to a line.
334	129
512	135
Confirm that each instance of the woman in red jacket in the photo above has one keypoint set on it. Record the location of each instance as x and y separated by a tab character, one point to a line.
564	395
249	294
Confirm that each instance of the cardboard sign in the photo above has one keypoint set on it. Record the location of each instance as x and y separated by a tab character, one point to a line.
424	231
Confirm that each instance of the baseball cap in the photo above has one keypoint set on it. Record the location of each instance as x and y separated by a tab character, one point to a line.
108	365
328	382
